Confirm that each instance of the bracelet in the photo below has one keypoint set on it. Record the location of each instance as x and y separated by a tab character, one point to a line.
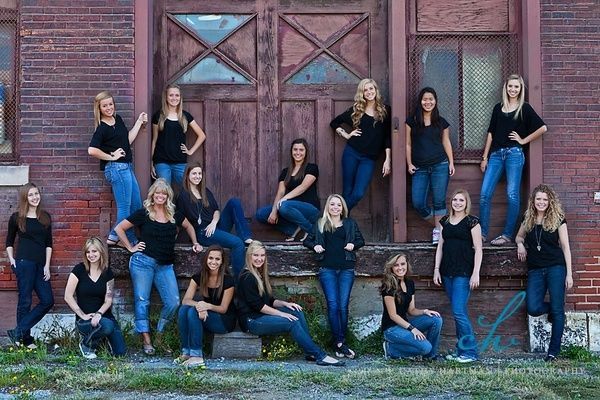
98	312
410	327
483	158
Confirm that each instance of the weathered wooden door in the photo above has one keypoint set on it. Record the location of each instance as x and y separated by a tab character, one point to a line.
258	74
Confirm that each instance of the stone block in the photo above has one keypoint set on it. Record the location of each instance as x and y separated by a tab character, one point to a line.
594	331
576	331
236	344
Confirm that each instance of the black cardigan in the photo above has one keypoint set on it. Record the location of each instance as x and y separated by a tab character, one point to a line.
353	236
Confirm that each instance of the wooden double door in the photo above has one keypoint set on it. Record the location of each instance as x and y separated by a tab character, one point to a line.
257	74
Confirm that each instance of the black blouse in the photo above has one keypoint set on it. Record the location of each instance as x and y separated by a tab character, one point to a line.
458	254
310	195
550	253
402	304
158	236
109	138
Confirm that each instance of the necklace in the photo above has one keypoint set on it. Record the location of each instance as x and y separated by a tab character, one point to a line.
538	239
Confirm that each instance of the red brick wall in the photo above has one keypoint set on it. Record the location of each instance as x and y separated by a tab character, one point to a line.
70	51
570	35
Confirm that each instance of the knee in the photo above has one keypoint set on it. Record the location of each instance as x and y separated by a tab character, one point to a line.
107	326
535	310
285	208
172	305
425	347
437	322
235	202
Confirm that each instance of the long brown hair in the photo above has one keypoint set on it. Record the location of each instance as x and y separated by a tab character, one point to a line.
201	187
262	276
164	110
42	216
553	215
98	243
360	104
205	271
389	281
300	174
99	97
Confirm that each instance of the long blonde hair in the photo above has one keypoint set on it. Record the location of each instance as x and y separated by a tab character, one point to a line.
325	223
98	243
262	276
160	185
164	110
99	97
553	215
389	281
360	104
521	98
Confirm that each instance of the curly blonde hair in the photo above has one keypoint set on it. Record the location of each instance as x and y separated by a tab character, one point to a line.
325	223
360	104
553	215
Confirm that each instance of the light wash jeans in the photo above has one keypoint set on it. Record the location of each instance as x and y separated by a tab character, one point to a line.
144	272
126	192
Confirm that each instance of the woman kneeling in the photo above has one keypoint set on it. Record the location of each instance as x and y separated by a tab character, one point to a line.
404	336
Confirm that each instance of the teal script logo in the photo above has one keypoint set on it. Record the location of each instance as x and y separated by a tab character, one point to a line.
493	339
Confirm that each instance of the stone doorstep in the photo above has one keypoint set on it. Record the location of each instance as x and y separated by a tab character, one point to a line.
581	329
236	344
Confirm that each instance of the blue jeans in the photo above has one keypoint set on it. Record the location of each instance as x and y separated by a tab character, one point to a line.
551	279
274	325
458	291
292	214
402	343
231	215
357	172
30	278
512	160
170	172
435	177
144	271
126	191
337	285
191	329
107	328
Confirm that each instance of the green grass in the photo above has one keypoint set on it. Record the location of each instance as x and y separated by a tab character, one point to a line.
516	379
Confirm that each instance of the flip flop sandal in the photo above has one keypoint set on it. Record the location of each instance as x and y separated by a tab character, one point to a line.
148	349
195	364
500	241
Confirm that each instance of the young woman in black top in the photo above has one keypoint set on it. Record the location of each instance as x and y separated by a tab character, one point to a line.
153	257
514	123
429	159
207	305
260	314
543	240
31	264
296	204
369	121
407	330
111	144
169	127
457	264
89	293
335	239
213	225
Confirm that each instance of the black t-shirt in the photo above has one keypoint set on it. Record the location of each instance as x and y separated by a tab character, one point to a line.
192	209
550	253
401	307
426	143
458	255
169	140
501	124
310	195
32	242
90	295
375	136
250	302
213	297
335	255
109	138
159	237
